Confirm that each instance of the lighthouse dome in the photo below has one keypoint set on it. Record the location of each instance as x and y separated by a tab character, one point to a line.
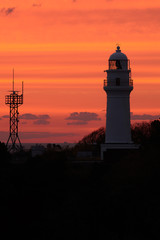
118	55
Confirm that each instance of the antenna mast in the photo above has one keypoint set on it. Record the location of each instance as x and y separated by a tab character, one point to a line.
14	100
13	79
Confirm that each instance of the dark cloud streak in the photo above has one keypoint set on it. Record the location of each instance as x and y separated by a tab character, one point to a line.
39	119
108	16
7	11
29	116
36	5
36	135
5	116
144	117
82	118
41	122
77	123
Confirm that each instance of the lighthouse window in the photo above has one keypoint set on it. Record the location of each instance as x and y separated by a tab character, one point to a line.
115	64
112	65
118	64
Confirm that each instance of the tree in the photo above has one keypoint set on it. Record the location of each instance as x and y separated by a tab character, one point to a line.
155	131
140	132
4	152
97	136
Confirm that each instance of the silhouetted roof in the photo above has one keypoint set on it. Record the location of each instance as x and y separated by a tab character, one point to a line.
118	55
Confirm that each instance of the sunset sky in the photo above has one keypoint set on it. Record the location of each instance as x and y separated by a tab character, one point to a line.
60	49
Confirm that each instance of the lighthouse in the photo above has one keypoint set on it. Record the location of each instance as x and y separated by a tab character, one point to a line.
118	87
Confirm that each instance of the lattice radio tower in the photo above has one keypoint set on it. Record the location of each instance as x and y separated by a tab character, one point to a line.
14	100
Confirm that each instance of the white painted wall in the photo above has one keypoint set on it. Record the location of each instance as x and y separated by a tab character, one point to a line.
118	105
118	114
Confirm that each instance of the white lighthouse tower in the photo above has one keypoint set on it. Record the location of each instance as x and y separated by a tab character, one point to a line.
118	87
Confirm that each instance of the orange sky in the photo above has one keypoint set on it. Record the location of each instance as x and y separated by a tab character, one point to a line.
60	49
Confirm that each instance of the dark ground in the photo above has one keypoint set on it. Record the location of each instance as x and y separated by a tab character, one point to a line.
59	199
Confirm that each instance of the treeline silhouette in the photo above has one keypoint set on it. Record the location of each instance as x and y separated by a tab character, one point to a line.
53	197
143	133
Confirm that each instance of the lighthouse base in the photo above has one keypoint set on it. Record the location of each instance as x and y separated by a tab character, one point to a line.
117	147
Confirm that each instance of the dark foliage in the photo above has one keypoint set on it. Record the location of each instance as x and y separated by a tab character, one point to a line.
155	131
48	197
4	154
146	132
91	141
142	133
97	136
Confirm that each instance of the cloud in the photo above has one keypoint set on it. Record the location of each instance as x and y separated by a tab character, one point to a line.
31	135
36	5
144	117
36	135
143	17
23	123
41	122
44	116
40	119
82	118
77	123
5	116
29	116
7	11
